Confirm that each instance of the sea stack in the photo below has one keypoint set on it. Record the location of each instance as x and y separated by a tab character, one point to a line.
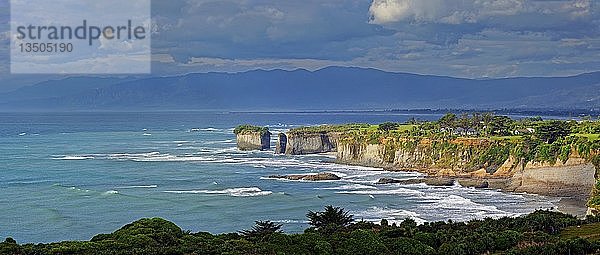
281	144
252	137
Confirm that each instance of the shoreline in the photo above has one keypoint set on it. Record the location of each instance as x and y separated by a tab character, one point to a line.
575	205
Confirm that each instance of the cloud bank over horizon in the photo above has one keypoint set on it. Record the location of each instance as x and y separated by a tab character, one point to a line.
460	38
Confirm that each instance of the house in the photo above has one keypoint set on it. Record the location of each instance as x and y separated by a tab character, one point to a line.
524	131
465	131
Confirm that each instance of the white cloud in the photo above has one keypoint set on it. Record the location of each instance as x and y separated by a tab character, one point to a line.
441	11
250	64
579	8
385	11
163	58
465	38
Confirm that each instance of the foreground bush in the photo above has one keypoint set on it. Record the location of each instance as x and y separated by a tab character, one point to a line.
334	233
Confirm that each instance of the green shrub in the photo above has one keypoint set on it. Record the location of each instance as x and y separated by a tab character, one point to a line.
361	242
246	129
329	128
408	246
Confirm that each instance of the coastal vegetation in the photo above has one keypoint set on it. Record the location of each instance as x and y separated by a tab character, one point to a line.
335	231
330	128
248	129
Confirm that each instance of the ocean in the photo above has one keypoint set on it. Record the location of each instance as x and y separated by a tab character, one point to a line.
70	176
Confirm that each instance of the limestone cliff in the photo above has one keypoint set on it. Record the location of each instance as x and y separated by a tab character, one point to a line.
307	143
364	155
253	141
436	157
462	159
575	177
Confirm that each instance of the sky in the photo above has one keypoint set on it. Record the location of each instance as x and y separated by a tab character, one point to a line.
459	38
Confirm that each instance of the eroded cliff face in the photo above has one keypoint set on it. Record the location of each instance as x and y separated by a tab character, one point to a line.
575	177
300	144
423	155
253	141
363	154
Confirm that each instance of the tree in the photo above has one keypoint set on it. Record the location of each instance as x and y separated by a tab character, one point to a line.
464	121
487	118
10	240
413	121
449	120
550	131
261	229
500	125
332	216
388	126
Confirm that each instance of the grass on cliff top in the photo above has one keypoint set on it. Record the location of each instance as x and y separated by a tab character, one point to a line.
405	127
346	128
588	231
246	129
330	128
591	137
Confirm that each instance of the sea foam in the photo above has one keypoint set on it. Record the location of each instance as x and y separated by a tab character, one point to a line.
234	192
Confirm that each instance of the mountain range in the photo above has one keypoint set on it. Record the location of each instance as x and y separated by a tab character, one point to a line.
331	88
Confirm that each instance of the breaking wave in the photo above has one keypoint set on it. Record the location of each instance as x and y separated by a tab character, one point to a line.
234	192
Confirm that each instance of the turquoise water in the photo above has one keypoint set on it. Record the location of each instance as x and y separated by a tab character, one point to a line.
74	175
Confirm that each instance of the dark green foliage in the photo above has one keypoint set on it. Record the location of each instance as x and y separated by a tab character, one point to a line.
500	125
330	220
154	231
587	127
407	246
10	246
245	129
550	131
448	120
388	126
546	221
361	242
536	233
261	229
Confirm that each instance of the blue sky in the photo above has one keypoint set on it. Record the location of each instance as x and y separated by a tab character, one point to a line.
462	38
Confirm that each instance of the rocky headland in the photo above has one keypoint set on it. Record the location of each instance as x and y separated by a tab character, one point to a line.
252	138
566	167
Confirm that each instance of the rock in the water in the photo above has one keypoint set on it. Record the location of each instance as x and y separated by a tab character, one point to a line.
439	181
281	144
483	185
475	183
385	180
308	177
432	181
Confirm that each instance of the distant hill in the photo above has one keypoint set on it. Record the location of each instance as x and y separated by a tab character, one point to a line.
332	88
